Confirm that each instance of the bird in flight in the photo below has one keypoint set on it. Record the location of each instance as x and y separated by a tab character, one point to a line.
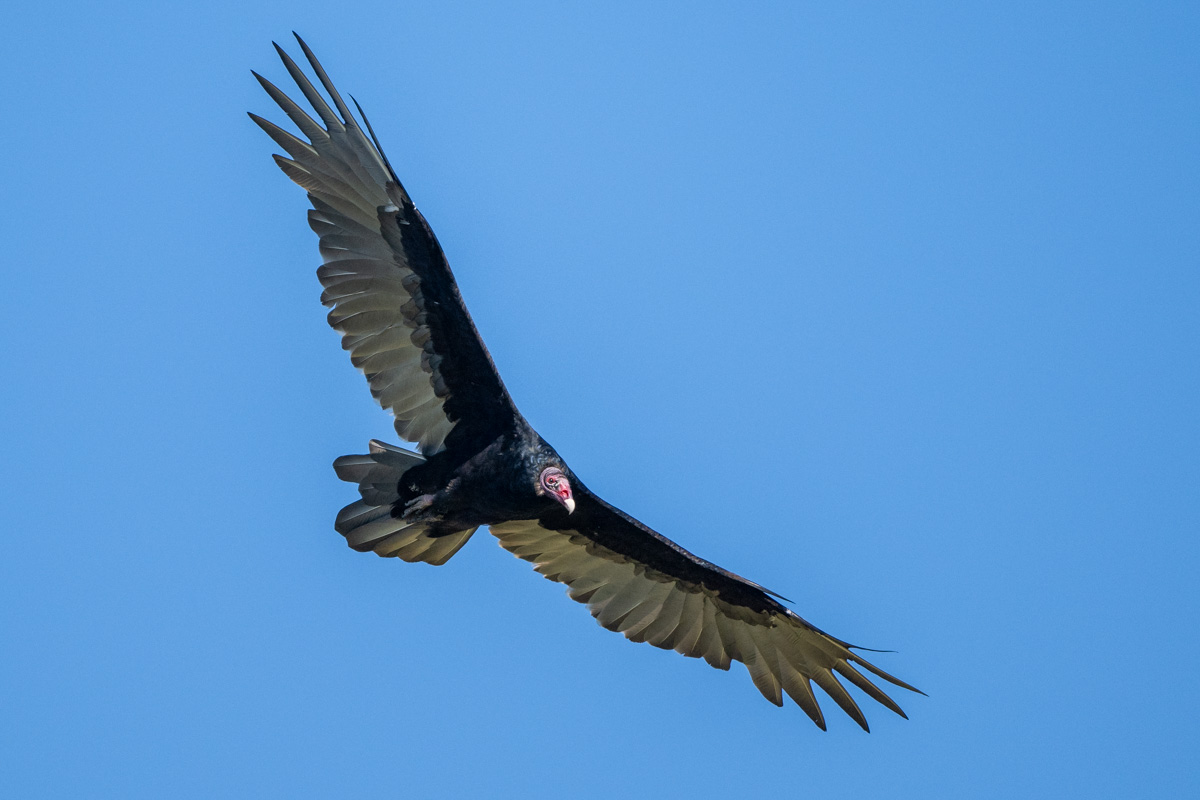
397	306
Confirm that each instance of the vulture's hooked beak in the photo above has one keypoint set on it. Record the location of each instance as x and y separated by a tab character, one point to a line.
569	504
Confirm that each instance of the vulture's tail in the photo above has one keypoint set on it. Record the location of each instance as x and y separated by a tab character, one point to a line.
369	525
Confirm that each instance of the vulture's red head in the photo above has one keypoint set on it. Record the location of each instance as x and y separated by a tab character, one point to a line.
554	483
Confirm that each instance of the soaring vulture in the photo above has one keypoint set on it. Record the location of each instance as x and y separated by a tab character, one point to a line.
396	304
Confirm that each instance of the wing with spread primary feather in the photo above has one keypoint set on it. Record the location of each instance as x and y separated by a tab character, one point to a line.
391	293
639	583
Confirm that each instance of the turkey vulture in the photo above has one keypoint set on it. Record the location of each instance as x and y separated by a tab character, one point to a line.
396	304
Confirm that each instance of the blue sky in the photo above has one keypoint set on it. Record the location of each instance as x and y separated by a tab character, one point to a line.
891	308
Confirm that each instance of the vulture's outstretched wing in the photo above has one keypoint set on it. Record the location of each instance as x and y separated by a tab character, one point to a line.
642	584
393	297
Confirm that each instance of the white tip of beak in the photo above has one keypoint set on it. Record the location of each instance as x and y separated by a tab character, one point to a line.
569	504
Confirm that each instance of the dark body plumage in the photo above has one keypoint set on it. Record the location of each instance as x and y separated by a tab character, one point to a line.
494	483
395	302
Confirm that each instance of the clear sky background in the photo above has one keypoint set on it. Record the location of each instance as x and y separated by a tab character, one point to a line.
894	308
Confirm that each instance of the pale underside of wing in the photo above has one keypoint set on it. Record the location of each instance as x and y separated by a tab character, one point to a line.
782	653
375	295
